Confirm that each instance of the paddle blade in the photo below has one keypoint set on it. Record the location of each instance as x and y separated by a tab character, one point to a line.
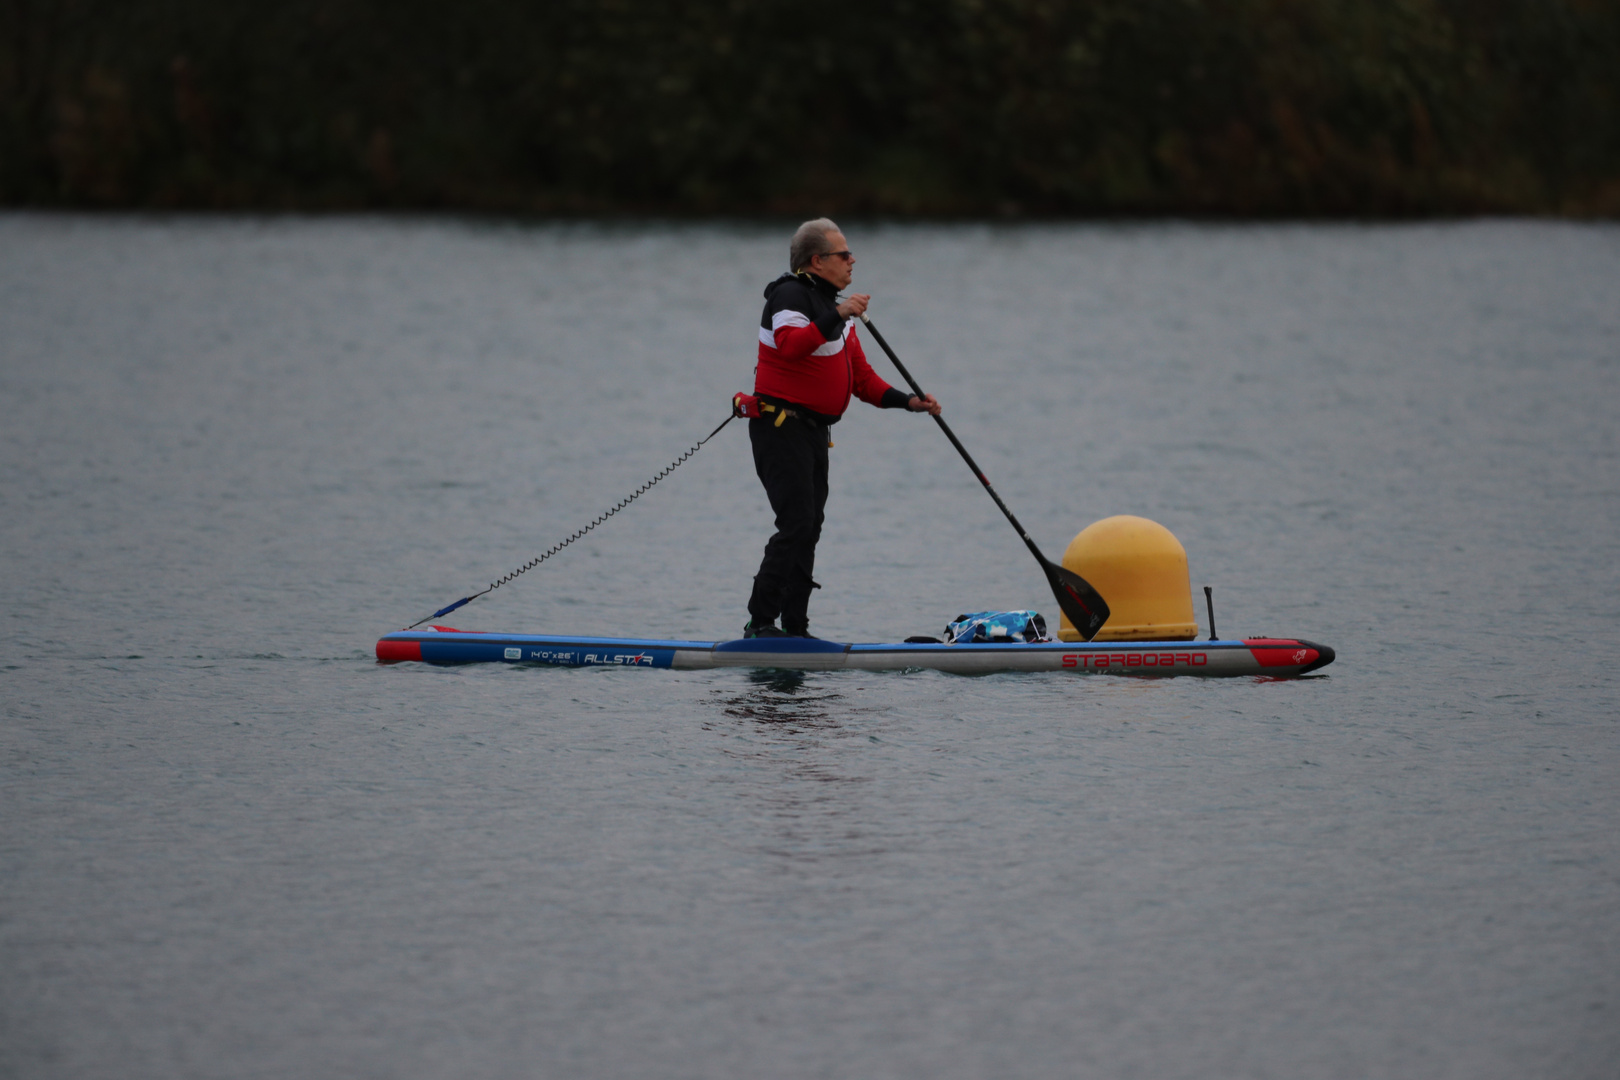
1084	606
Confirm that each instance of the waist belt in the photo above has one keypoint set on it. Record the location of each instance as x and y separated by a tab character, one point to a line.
748	405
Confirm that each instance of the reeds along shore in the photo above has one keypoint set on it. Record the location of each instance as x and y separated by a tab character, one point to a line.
897	107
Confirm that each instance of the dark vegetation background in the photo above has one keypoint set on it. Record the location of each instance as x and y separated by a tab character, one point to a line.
900	107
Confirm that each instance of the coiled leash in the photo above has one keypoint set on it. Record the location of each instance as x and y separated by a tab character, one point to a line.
740	403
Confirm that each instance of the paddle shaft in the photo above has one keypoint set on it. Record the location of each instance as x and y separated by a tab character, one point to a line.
960	449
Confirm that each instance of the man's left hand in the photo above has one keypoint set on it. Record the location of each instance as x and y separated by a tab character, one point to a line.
855	305
926	404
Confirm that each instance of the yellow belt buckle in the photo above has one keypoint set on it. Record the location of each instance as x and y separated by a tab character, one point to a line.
781	416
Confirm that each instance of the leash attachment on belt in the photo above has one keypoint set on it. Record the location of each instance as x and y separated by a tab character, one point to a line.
749	407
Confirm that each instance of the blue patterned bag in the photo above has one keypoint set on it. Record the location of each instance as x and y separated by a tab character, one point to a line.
1010	627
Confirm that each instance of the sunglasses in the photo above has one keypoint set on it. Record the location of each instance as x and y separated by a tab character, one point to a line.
847	256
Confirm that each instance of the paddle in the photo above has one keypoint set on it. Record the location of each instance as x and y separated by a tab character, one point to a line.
1080	602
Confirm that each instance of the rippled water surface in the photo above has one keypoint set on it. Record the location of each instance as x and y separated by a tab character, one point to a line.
231	844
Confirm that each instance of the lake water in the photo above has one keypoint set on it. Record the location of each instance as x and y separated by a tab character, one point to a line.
232	845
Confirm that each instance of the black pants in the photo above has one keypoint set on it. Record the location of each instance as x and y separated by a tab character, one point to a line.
792	464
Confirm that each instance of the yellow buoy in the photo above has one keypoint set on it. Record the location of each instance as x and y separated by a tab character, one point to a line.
1140	568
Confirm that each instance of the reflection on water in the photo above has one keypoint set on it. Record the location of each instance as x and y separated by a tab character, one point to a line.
791	740
783	697
778	680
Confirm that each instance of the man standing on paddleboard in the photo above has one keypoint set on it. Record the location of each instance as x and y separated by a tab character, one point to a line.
810	364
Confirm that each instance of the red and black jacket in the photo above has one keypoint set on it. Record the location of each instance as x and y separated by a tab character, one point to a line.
809	355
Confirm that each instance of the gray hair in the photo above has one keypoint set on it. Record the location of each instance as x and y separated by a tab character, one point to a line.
810	240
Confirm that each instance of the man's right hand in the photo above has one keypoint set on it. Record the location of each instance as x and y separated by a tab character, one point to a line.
926	404
855	306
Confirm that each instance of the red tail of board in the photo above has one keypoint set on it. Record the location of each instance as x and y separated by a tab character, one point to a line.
391	652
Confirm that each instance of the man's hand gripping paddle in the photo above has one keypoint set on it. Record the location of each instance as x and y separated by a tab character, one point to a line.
1085	608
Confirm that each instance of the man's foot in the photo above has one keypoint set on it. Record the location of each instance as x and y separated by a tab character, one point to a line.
768	629
800	630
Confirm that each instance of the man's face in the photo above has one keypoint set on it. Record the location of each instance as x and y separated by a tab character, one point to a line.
838	269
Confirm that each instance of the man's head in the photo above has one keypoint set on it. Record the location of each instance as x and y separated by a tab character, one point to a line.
820	248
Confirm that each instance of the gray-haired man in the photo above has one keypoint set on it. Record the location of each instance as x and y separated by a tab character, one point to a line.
810	364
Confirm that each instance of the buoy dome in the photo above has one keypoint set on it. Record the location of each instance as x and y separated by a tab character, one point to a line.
1140	568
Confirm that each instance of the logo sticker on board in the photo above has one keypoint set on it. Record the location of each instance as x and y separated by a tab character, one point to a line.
514	654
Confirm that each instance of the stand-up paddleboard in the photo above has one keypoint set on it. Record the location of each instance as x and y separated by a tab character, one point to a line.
1273	657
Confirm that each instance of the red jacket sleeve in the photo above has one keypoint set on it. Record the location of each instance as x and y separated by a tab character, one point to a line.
864	381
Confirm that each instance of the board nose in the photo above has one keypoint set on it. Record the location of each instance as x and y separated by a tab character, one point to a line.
1324	656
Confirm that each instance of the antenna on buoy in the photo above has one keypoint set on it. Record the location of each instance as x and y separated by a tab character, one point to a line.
1209	598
